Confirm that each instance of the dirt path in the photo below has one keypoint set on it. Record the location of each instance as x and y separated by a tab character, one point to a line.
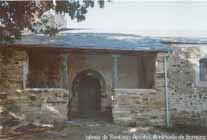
91	130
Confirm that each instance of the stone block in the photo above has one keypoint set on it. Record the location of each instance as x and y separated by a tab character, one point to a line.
137	107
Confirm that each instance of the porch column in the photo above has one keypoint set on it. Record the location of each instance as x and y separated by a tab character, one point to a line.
64	71
25	72
115	71
167	112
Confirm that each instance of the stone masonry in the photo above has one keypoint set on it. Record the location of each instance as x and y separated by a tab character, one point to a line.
138	107
42	105
45	105
11	70
130	106
142	106
188	98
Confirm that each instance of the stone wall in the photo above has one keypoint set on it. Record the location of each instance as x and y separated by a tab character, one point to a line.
11	77
32	105
142	106
138	107
42	105
188	99
38	106
11	69
11	73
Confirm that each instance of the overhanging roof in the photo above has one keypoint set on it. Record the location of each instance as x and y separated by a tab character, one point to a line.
102	41
185	40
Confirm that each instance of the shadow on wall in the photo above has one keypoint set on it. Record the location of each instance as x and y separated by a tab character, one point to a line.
44	70
146	71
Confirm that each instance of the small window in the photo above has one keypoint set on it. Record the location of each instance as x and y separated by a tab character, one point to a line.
203	69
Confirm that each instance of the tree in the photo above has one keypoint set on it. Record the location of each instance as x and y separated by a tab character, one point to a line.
16	16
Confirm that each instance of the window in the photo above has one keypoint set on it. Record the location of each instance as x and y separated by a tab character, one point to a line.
203	70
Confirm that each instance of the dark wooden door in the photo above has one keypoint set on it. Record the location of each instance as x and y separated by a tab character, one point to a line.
89	96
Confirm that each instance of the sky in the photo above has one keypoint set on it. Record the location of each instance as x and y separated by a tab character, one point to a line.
148	17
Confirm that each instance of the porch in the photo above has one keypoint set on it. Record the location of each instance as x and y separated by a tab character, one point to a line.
74	75
122	87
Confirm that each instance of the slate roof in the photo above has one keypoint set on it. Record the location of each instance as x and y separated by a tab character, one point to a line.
103	41
185	40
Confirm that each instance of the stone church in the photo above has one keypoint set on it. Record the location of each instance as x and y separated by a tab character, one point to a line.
128	79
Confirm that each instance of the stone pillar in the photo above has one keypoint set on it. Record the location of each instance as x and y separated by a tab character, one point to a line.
160	83
115	71
160	74
64	71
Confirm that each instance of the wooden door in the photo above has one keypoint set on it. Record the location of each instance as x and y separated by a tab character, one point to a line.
89	96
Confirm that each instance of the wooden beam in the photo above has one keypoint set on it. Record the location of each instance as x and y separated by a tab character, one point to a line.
46	49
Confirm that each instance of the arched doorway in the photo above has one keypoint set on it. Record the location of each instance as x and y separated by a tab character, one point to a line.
89	87
89	96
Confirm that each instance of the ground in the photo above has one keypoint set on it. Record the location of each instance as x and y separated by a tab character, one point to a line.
93	130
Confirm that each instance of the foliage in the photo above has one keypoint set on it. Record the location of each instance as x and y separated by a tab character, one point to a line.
16	16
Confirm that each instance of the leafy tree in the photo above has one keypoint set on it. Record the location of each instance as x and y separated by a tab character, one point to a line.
16	16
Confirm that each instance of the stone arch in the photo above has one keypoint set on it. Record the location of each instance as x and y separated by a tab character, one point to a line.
85	73
88	72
